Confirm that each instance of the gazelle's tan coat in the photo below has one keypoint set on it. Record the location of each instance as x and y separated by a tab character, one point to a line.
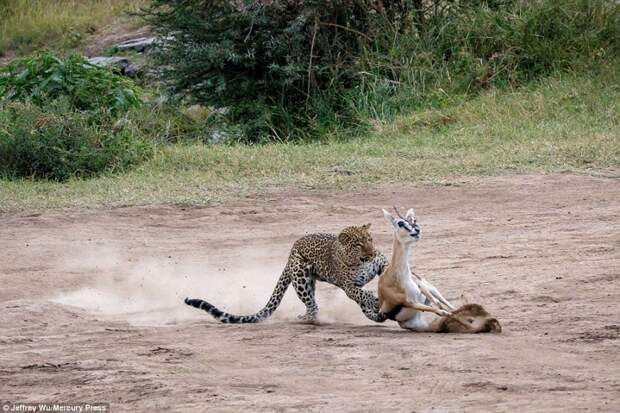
397	286
404	296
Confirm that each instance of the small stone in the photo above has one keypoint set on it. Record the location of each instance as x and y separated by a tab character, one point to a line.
123	64
140	44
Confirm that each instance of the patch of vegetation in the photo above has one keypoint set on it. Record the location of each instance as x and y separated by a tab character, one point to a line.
58	143
61	24
45	77
287	69
252	57
484	44
411	91
165	122
60	119
569	122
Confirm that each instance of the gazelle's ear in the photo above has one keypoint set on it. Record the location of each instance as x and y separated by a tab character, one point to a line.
410	215
389	218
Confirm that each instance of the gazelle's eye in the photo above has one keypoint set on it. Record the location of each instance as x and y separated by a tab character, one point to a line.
401	224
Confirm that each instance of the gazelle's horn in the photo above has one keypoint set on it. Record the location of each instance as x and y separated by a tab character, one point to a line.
398	213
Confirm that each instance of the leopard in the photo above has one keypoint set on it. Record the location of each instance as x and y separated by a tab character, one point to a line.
347	260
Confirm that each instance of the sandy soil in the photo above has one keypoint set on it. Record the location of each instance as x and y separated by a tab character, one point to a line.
91	304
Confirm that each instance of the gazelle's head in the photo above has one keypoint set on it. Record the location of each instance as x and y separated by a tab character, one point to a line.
406	229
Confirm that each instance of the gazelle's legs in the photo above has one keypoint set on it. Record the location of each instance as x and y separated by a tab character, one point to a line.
435	293
431	293
427	308
430	297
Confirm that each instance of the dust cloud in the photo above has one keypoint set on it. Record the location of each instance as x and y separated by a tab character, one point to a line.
150	290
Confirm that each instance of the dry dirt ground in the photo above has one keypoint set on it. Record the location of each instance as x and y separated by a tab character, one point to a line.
91	304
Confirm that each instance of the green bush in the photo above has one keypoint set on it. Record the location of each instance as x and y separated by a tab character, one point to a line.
273	64
459	49
290	68
169	122
57	143
45	77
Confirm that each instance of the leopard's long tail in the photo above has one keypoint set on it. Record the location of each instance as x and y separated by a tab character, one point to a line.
267	310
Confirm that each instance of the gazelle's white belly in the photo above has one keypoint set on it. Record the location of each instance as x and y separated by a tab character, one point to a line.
409	317
413	293
406	314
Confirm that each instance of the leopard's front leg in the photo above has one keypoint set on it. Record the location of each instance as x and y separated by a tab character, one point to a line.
367	302
369	270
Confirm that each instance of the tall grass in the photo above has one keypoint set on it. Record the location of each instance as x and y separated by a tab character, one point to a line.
568	122
293	70
28	24
461	50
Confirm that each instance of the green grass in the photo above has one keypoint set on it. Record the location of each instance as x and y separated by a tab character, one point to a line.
59	24
564	123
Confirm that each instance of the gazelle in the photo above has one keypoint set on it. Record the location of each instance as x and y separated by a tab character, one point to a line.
405	296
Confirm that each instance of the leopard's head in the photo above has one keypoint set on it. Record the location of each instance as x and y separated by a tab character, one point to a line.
356	244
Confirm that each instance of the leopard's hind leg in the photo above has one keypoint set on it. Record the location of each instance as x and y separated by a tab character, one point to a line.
305	284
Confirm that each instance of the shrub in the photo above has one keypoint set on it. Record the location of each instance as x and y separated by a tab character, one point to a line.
286	67
461	48
268	61
57	143
45	77
168	121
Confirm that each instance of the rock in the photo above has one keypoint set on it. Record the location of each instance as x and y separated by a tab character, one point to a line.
108	61
123	64
140	44
197	113
132	70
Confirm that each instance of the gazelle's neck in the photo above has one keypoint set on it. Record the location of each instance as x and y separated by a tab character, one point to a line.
400	259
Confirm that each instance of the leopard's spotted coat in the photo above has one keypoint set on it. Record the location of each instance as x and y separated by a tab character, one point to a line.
348	261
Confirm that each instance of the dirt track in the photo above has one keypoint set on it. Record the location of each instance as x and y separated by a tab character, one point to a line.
91	304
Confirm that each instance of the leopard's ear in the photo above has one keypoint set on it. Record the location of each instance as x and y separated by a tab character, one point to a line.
343	237
366	227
